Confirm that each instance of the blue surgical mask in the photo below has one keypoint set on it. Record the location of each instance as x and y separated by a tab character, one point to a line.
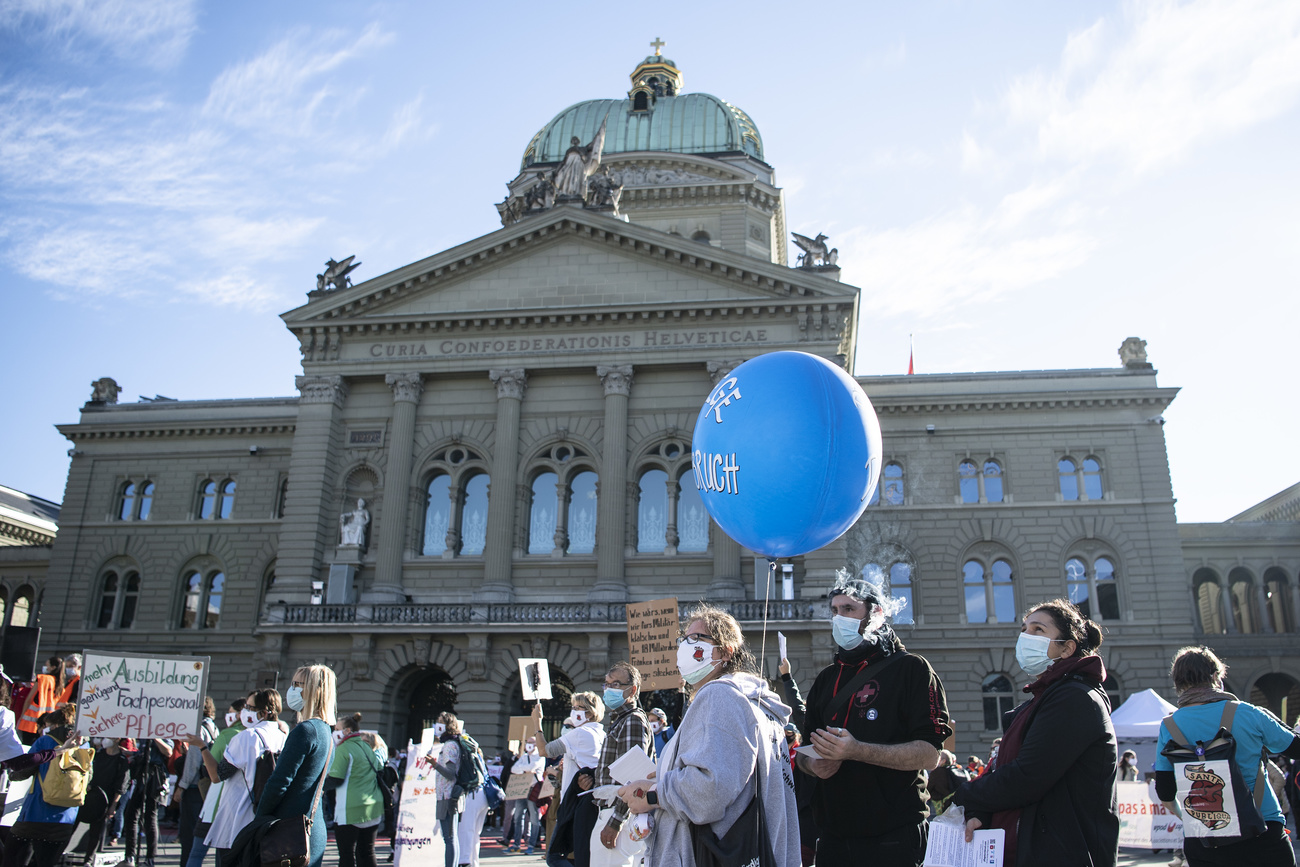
614	698
1031	653
847	631
293	698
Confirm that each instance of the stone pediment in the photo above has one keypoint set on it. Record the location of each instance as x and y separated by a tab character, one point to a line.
573	260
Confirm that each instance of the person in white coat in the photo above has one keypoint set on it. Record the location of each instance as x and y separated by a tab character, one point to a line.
238	767
729	749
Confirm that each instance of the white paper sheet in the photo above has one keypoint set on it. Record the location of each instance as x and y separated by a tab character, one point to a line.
810	751
947	847
780	643
543	671
632	765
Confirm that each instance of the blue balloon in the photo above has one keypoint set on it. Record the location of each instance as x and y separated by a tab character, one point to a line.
786	453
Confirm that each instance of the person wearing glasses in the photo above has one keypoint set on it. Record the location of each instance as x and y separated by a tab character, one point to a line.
291	789
729	749
611	844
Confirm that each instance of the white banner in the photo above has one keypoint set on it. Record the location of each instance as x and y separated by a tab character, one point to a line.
418	842
1144	823
128	696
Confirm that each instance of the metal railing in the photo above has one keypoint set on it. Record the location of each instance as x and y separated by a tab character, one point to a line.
421	614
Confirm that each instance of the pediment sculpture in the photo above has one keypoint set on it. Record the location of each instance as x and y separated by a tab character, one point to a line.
815	255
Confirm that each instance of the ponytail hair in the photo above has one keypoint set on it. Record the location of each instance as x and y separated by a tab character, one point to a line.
1072	624
351	723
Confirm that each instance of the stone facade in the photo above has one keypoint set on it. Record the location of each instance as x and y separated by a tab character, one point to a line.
516	414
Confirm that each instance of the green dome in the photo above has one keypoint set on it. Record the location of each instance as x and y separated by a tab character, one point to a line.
692	123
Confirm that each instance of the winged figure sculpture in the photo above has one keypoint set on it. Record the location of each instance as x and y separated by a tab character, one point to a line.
814	251
336	274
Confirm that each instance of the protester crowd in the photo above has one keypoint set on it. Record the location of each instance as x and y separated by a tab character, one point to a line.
852	774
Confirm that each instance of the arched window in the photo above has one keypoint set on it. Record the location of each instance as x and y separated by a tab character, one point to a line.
1067	473
126	503
692	520
117	600
541	518
990	593
652	512
1209	601
968	481
22	613
1114	690
1241	590
891	569
146	501
582	513
1093	588
992	481
201	605
227	504
437	515
1092	478
893	484
998	699
207	499
640	102
473	516
900	587
1276	591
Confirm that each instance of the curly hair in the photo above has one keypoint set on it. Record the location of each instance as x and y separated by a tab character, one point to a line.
725	632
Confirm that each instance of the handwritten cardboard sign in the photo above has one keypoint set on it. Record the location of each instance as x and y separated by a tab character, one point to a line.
652	640
125	695
519	730
417	842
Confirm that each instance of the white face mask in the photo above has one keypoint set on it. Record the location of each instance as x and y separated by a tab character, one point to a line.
655	726
438	729
338	738
695	660
248	718
577	717
231	716
530	748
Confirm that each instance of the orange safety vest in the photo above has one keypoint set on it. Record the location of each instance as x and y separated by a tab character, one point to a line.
65	697
41	702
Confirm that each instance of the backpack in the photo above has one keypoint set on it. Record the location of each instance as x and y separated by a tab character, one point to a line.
472	770
1211	791
67	778
262	773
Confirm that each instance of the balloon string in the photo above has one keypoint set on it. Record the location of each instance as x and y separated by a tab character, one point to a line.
767	594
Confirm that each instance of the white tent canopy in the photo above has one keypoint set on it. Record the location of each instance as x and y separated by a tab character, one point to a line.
1140	716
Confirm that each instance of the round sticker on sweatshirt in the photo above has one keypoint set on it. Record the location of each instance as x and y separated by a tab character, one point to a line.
872	714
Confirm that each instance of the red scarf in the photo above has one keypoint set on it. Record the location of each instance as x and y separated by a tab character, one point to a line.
1090	667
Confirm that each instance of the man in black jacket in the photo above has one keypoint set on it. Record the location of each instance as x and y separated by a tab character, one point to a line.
877	717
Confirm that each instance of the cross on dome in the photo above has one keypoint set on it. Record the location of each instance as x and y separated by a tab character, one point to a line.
657	45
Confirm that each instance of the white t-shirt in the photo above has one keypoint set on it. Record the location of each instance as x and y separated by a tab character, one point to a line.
581	750
236	807
10	746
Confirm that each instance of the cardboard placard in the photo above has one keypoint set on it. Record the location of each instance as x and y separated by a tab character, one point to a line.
125	695
417	842
518	786
520	728
652	642
535	676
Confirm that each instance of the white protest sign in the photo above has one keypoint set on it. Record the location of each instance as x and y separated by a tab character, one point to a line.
418	842
125	695
780	643
1143	823
535	674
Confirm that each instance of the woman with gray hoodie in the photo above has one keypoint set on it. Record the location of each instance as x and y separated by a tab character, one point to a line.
731	738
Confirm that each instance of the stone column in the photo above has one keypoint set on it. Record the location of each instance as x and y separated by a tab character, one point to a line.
727	584
1229	619
611	507
499	547
1265	612
387	587
671	539
310	524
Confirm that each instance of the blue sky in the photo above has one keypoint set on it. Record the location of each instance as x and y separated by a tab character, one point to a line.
1019	185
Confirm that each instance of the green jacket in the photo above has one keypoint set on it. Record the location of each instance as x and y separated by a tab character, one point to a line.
358	801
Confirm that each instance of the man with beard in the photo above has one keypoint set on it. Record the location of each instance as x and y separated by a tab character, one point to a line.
877	717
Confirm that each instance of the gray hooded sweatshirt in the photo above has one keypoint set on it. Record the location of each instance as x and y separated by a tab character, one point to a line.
705	775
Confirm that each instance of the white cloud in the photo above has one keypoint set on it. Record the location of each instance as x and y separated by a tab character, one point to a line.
148	32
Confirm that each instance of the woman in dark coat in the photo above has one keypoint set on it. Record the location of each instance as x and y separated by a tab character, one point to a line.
292	786
1052	786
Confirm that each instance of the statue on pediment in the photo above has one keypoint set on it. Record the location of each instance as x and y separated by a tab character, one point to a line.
815	254
1133	353
604	191
352	526
336	274
540	195
579	164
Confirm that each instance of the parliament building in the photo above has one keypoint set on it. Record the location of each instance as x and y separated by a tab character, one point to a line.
489	456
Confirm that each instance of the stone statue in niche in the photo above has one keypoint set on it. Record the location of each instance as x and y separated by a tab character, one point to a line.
104	390
352	526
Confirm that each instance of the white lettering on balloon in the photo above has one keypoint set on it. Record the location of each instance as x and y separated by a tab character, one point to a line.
716	472
720	398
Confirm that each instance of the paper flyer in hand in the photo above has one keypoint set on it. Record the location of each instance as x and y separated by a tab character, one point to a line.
632	765
780	643
947	846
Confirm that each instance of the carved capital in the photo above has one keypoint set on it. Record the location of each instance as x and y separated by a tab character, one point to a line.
510	382
719	369
321	389
616	379
476	660
406	386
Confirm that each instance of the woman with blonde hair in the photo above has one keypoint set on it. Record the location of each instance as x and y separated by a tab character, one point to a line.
299	772
728	762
